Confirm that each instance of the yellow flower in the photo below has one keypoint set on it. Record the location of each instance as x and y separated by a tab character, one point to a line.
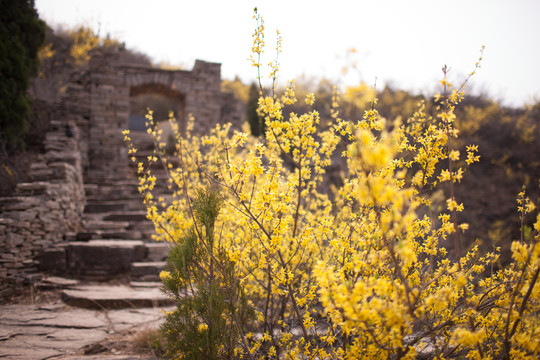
445	175
466	337
165	275
239	139
202	328
310	99
529	206
451	204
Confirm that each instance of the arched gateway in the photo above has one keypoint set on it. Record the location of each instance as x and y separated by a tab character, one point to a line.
97	100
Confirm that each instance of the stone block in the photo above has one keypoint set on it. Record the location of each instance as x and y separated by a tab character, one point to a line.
114	297
53	261
105	206
22	224
24	215
15	239
104	259
18	203
157	251
147	271
136	216
6	221
34	188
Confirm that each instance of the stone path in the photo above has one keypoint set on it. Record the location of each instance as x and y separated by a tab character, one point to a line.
56	330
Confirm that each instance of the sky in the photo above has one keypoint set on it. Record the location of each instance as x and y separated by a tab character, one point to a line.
402	43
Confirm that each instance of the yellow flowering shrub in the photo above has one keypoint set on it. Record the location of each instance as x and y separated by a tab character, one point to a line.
370	270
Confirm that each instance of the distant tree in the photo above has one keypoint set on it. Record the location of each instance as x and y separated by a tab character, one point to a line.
21	35
84	41
237	87
256	123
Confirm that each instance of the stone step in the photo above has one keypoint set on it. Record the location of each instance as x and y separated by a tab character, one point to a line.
145	284
135	204
145	235
55	283
157	251
53	261
118	191
103	225
98	186
129	203
123	189
147	271
96	257
114	297
126	216
146	226
133	218
125	234
128	195
133	223
104	206
113	234
103	259
94	216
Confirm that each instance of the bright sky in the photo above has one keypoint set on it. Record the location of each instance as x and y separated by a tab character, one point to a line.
401	42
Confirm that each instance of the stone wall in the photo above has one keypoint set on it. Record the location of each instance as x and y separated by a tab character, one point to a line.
40	212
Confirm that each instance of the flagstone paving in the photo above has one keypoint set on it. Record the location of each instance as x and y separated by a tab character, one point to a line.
56	330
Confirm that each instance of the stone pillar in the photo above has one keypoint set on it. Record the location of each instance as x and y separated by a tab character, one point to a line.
109	103
204	100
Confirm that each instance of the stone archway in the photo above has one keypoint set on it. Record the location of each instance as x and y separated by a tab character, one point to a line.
161	100
175	101
98	103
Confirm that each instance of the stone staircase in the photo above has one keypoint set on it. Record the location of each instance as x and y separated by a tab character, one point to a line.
116	243
116	246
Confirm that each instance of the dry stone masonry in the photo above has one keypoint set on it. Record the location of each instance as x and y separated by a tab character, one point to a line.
84	193
43	210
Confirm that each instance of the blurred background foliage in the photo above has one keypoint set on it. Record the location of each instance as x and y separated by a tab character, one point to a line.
507	139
